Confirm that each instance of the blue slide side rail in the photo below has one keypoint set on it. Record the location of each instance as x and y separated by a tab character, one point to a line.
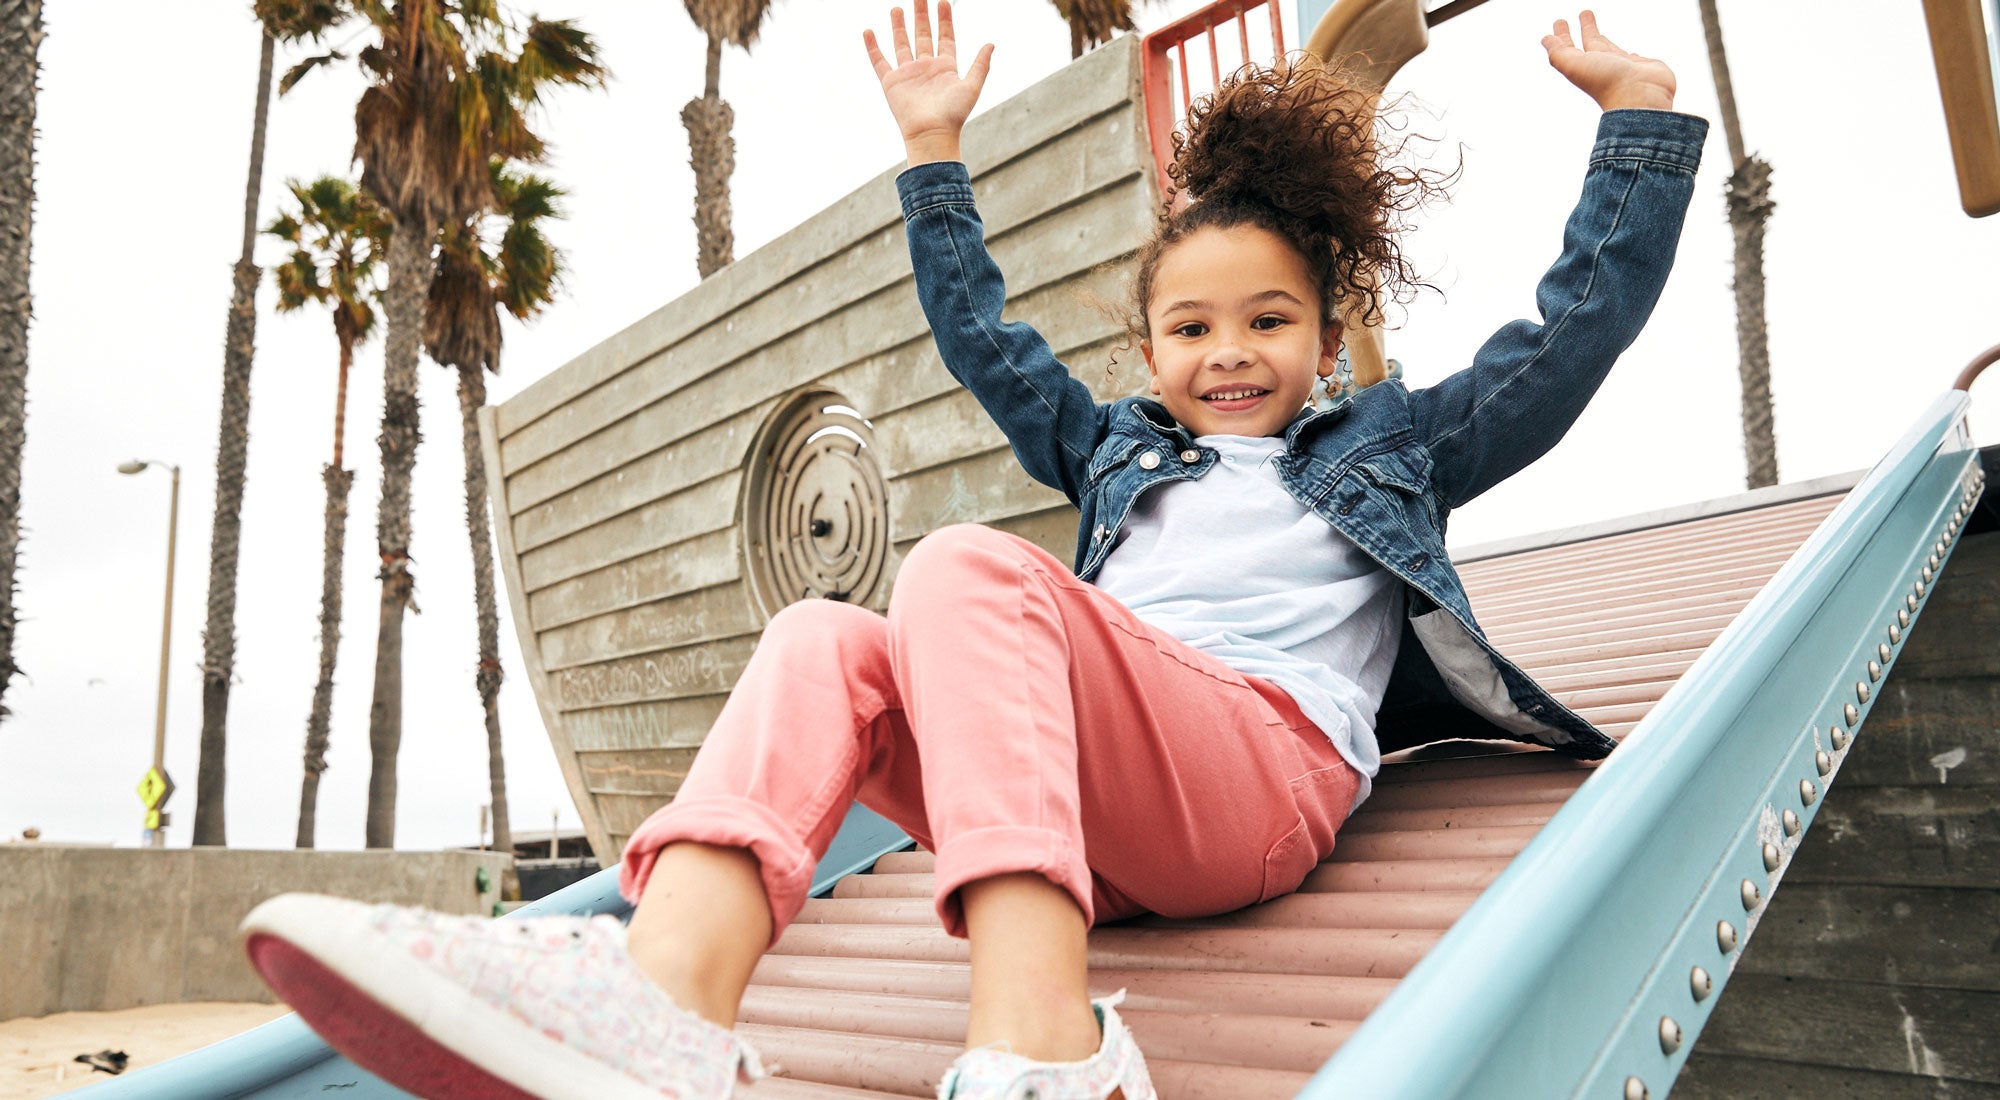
284	1060
1573	975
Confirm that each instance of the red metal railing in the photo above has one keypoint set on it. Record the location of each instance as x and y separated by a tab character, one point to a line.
1171	89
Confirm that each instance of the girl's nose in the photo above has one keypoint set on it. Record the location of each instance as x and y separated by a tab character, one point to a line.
1229	353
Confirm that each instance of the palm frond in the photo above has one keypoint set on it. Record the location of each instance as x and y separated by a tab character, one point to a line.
298	72
736	22
293	20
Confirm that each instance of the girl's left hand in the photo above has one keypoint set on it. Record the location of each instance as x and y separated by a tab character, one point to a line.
1613	77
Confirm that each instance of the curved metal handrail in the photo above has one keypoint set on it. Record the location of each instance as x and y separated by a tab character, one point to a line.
1979	363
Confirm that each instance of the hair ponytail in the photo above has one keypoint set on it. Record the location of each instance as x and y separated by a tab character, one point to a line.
1296	149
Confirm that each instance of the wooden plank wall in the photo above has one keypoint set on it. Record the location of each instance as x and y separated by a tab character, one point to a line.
618	478
1875	974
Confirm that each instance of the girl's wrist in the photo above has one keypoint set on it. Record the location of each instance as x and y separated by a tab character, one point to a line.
933	145
1647	97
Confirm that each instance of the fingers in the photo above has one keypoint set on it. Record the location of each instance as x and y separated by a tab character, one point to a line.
900	35
1594	39
923	45
976	75
947	43
882	66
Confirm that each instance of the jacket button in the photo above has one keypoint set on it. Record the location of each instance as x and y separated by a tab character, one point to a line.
1098	535
1150	460
1190	456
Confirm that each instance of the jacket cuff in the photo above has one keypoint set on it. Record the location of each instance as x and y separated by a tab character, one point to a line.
1666	138
936	183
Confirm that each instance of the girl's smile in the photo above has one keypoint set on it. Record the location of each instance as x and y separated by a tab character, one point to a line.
1237	337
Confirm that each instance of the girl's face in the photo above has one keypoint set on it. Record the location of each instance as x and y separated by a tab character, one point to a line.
1236	334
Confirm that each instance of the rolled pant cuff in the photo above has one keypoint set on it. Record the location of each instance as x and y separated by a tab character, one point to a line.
785	864
1003	850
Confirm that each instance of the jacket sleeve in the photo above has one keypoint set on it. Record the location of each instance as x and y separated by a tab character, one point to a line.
1529	382
1051	419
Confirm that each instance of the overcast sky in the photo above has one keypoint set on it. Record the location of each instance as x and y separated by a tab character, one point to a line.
1879	290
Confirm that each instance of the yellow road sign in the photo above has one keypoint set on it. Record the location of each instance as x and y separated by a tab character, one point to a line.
153	820
154	788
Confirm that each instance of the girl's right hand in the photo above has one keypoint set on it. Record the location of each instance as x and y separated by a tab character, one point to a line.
926	94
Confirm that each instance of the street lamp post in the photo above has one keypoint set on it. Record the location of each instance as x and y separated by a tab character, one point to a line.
156	787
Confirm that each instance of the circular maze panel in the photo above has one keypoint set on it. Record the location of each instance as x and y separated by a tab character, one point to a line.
816	510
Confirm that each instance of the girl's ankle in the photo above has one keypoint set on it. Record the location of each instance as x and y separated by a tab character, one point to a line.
682	980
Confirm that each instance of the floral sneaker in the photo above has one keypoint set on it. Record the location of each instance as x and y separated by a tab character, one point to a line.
990	1073
465	1008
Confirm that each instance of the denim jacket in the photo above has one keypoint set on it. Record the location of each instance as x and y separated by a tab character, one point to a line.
1384	466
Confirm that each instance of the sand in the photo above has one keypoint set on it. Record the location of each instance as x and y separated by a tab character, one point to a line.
36	1053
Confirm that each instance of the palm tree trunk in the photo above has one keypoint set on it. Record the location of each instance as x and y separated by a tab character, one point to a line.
472	395
218	662
319	722
403	307
20	66
1750	205
712	155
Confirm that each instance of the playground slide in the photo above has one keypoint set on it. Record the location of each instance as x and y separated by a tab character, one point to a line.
1735	647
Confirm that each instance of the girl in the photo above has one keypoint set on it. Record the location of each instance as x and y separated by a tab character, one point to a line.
1272	607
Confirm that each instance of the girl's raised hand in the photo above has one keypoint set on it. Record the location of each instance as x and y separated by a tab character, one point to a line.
929	98
1613	77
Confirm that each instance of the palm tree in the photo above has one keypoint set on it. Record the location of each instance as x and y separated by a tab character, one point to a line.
1750	206
337	235
711	149
1091	22
520	273
218	660
20	65
449	94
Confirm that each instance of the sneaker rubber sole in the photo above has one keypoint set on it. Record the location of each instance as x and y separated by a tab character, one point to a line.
409	1025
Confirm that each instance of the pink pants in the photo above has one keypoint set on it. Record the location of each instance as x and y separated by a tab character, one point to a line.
1010	717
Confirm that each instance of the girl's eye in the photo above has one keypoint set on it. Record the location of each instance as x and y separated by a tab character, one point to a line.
1191	329
1268	321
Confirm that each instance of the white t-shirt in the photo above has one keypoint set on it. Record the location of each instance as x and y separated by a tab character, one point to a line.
1235	566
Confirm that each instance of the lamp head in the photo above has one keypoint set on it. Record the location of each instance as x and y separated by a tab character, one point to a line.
132	467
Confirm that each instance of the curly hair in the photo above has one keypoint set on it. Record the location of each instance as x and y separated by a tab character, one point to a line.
1297	149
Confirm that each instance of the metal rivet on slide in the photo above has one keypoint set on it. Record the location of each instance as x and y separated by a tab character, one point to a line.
1750	895
1635	1089
1772	857
1791	823
1670	1035
1883	651
1861	690
1874	671
1823	762
1700	984
1725	936
1807	792
1838	736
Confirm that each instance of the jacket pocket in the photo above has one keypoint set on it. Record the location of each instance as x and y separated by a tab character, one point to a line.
1407	469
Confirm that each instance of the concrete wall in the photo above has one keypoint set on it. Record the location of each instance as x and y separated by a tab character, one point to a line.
619	479
84	929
